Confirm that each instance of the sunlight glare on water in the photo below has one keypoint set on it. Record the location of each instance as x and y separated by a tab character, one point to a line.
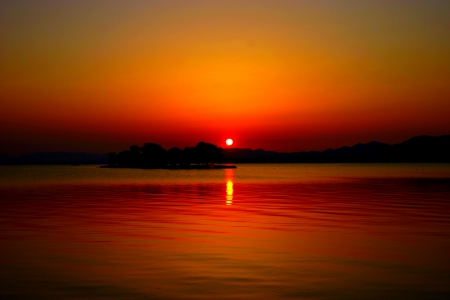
229	175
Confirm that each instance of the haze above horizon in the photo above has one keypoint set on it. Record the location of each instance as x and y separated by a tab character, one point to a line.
98	76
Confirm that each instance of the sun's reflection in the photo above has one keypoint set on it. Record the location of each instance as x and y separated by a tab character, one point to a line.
229	176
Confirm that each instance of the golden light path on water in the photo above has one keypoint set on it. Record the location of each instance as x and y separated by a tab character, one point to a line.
229	176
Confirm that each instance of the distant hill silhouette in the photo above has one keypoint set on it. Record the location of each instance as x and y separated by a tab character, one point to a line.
416	149
54	158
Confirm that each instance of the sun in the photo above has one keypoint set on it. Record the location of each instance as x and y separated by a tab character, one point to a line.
229	142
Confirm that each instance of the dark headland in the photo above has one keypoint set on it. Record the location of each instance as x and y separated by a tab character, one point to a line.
420	149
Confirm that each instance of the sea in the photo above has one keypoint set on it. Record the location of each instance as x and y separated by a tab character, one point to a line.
260	231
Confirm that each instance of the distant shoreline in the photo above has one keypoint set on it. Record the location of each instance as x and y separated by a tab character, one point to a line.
187	167
420	149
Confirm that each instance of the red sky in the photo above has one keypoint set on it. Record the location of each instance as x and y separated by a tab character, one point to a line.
99	76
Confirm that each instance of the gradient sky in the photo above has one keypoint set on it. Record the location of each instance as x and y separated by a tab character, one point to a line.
99	76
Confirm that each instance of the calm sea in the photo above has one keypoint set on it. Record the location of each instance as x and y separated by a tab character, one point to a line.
272	231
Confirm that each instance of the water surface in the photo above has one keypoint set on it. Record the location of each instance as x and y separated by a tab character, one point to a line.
272	231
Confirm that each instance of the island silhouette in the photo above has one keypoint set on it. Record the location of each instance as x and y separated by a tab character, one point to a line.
420	149
153	156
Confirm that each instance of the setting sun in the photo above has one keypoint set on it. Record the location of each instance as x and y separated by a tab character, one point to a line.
229	142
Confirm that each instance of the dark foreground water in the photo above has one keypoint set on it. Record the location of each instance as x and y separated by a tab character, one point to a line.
341	231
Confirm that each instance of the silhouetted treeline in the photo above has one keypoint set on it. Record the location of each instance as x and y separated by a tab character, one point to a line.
152	155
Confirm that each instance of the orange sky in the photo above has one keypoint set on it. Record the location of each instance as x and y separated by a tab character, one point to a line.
99	76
